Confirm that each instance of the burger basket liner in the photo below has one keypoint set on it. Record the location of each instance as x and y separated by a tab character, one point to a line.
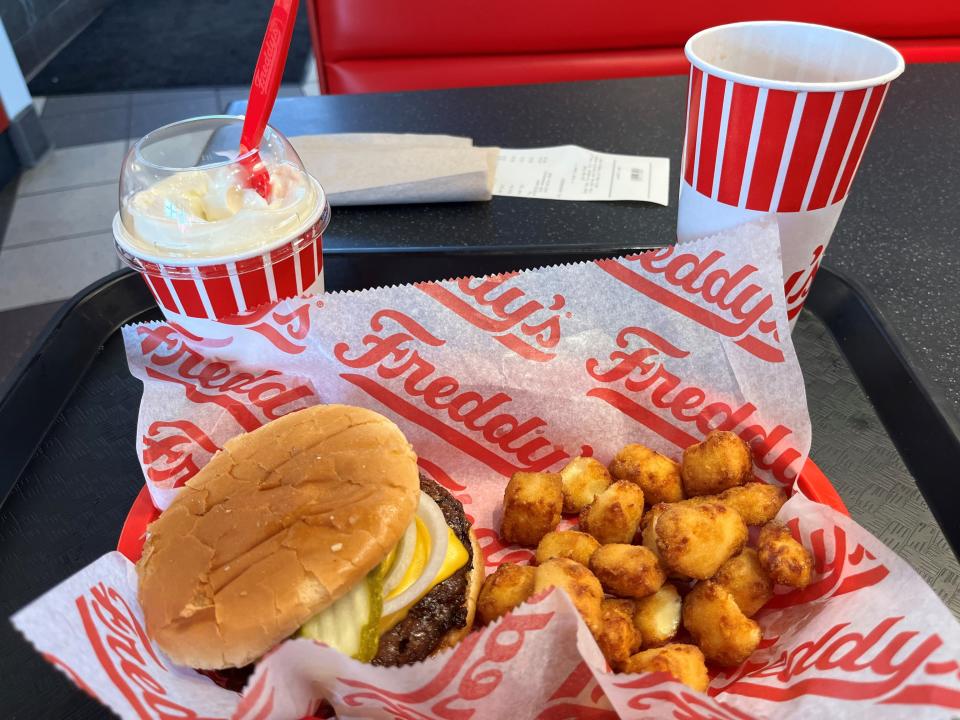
488	376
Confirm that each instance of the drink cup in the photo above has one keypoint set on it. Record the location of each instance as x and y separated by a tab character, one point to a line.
778	118
209	246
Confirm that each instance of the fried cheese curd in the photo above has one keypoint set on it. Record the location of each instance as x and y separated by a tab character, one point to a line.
583	478
657	616
684	662
572	544
757	502
718	626
532	502
580	585
787	561
627	571
695	540
721	461
503	590
615	567
615	633
648	529
614	516
745	579
657	475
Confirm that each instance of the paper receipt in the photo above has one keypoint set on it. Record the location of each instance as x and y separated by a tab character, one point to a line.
570	172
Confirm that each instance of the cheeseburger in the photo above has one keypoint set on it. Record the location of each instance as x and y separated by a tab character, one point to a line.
316	525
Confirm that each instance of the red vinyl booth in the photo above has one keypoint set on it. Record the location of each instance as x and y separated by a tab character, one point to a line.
383	45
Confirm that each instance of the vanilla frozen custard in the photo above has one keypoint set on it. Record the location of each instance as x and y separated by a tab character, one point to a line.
211	212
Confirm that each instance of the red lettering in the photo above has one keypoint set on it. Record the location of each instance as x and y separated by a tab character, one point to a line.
858	643
546	333
738	417
212	372
641	370
738	306
380	349
108	599
705	418
499	304
668	383
689	398
883	663
123	651
469	408
650	261
498	427
140	677
626	363
502	319
481	292
720	289
763	444
239	382
472	418
714	292
421	369
190	357
441	387
153	338
273	398
165	455
847	653
191	370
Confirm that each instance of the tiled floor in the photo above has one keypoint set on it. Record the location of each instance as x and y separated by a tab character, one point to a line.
57	236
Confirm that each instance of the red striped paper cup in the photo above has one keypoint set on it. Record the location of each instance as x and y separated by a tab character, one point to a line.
217	288
778	118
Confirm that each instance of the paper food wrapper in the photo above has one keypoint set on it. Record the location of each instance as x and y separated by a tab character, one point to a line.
522	372
395	169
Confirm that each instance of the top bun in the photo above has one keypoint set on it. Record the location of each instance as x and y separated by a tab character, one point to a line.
281	523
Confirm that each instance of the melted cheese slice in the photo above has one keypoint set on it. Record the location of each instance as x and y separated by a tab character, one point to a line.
455	558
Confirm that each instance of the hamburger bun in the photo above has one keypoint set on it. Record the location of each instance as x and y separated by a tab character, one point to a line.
280	524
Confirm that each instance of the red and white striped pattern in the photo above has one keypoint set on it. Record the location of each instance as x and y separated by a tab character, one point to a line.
775	150
218	291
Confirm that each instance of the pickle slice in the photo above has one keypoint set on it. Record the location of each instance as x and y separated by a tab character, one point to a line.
370	632
352	623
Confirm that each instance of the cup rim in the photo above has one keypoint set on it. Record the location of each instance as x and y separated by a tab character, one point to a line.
137	146
771	84
322	212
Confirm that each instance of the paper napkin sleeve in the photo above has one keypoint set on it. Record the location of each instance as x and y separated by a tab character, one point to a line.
388	169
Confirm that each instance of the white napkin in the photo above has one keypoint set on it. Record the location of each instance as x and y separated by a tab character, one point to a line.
393	169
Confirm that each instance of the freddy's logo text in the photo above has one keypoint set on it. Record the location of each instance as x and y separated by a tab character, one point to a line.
168	451
729	302
640	368
170	358
410	385
888	661
123	650
525	326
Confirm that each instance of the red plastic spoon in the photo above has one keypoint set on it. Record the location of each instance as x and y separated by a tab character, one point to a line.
263	90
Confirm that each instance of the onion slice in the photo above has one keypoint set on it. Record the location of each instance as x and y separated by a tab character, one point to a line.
429	512
405	550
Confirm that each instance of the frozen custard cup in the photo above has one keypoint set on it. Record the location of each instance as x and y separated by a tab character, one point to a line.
208	245
778	118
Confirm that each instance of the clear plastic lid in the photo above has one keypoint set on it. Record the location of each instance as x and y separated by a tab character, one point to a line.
186	193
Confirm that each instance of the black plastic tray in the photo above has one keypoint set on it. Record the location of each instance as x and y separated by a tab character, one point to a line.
69	472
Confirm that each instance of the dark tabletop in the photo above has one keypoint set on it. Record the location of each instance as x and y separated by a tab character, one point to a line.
899	234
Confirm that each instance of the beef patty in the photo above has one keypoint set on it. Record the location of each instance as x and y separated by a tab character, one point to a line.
415	637
442	609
